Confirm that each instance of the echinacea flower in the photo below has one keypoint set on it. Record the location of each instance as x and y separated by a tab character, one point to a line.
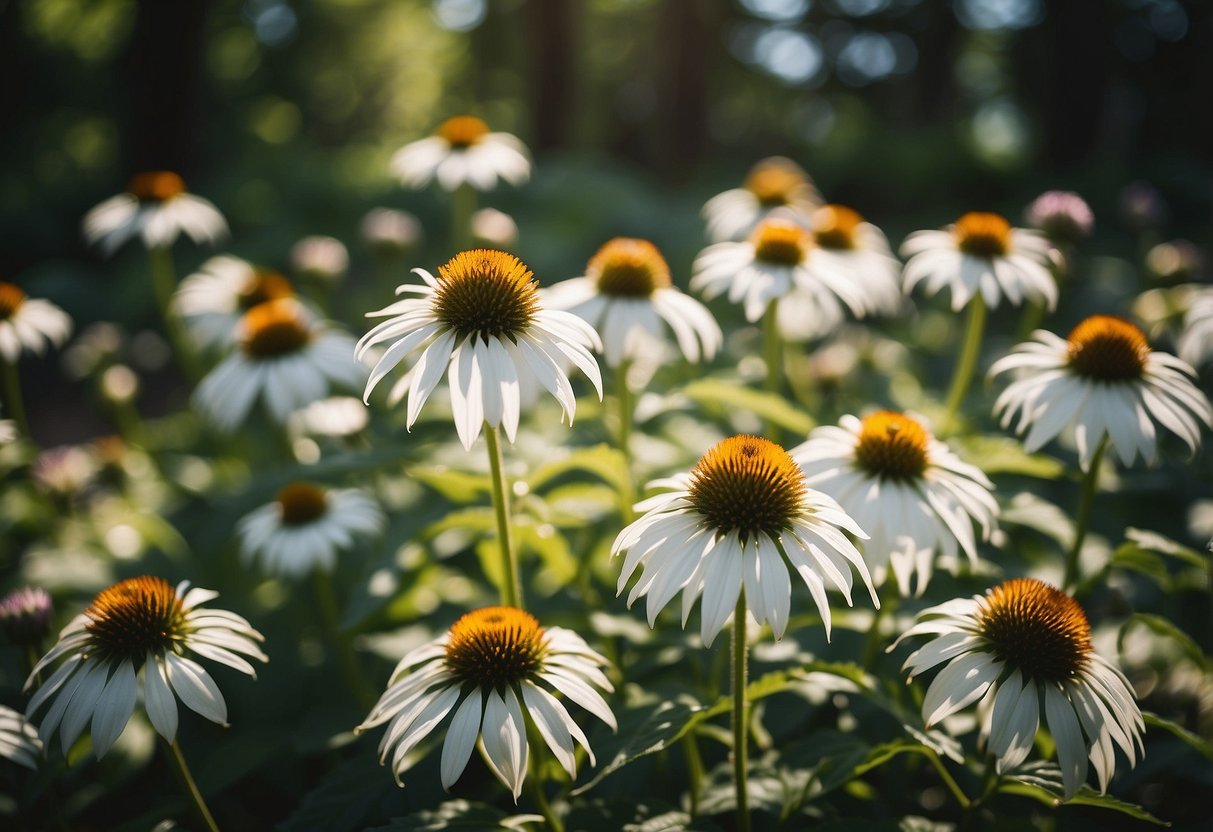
1063	216
498	670
389	232
739	519
493	229
625	294
482	323
25	616
337	416
212	300
29	323
306	527
462	151
1103	380
281	356
157	207
1024	641
981	254
773	185
773	262
320	257
905	488
133	643
1196	339
19	739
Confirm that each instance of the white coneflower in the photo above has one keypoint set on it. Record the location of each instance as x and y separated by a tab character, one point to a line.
493	229
320	257
481	323
29	323
1196	339
497	669
282	357
905	488
306	527
19	740
1063	216
462	151
212	300
390	232
1103	380
134	642
773	262
775	184
740	518
626	294
337	416
1024	641
981	254
157	207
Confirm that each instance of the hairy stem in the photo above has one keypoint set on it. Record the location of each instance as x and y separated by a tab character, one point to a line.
511	585
741	714
191	788
1090	484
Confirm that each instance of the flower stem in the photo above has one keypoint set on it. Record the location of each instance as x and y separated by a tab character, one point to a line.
327	602
191	788
623	397
690	747
511	586
164	281
772	353
948	779
741	715
463	205
1090	484
12	397
963	376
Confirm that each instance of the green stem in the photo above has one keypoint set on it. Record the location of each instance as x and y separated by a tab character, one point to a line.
772	353
974	330
463	205
164	282
551	819
741	715
871	647
13	399
623	396
948	780
690	746
191	788
326	600
511	586
989	785
1033	315
1090	484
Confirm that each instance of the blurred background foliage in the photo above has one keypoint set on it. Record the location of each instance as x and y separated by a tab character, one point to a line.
285	113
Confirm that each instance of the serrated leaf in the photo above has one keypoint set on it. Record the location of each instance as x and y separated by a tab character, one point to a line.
1167	629
1199	743
995	454
728	395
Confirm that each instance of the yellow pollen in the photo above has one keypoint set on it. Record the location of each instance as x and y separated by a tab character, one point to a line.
892	445
273	329
156	185
1036	628
834	226
777	181
486	293
11	298
463	131
133	618
1107	348
982	234
628	267
495	647
749	485
781	243
301	502
263	286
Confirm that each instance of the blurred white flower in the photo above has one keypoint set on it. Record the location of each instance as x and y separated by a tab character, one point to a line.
212	300
29	323
157	207
462	151
338	416
325	258
390	231
774	184
1196	339
19	739
494	229
1063	216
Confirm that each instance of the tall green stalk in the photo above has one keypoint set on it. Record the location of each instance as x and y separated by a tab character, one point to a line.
164	282
1090	484
741	714
511	585
967	364
772	353
623	398
191	788
463	205
12	396
326	600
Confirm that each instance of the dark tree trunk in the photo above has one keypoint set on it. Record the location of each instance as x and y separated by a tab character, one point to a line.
1075	82
687	47
553	28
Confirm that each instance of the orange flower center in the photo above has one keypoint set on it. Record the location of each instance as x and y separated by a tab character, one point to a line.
263	286
834	226
273	329
463	131
781	243
892	445
983	234
776	181
133	618
486	293
495	647
1107	348
1036	628
628	267
11	298
749	485
301	502
156	185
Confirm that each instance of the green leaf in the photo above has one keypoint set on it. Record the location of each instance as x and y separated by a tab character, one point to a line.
457	486
602	461
459	814
1155	542
996	454
1199	743
544	540
728	395
344	799
1086	797
1167	629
